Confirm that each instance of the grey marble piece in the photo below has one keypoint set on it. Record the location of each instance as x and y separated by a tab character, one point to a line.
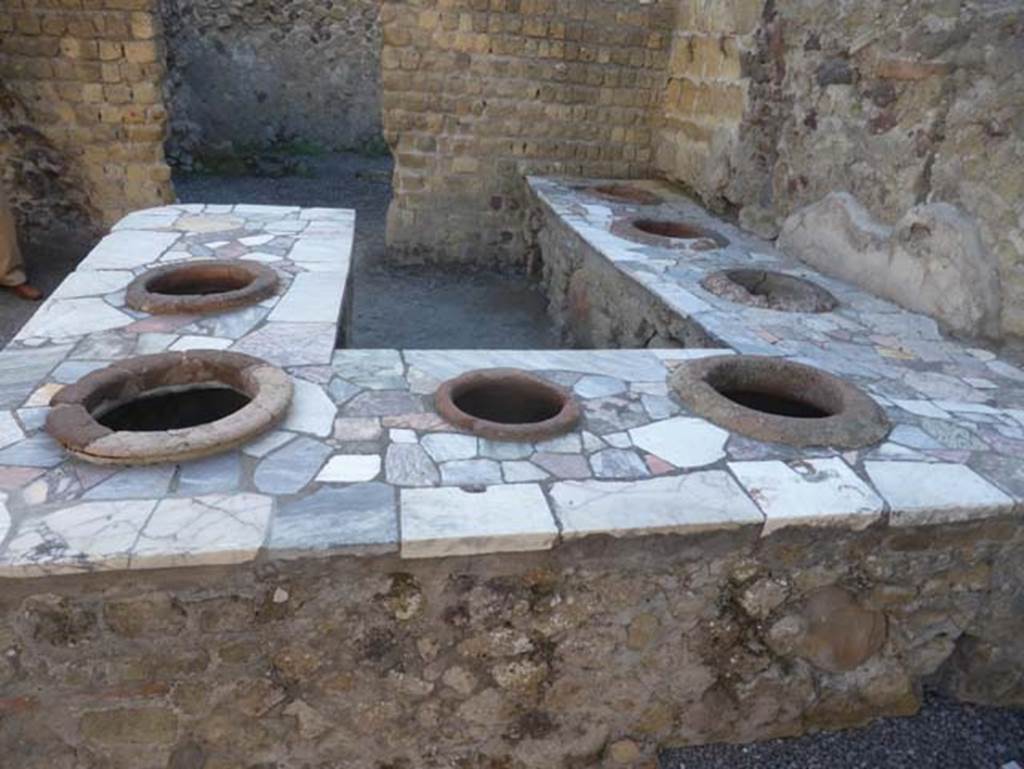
71	371
37	451
504	449
566	466
288	470
386	403
618	464
471	472
599	387
360	518
22	369
135	483
342	391
218	474
407	464
613	415
446	447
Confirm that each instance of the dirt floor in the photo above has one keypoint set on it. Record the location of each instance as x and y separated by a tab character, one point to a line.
411	308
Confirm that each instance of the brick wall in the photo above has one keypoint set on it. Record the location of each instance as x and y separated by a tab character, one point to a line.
707	93
87	77
477	93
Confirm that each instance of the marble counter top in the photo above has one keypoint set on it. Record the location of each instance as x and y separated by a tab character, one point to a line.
363	465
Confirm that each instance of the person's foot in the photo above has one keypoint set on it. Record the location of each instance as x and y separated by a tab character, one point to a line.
26	291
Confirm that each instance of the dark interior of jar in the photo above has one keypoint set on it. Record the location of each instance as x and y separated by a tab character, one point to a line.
173	408
509	402
200	281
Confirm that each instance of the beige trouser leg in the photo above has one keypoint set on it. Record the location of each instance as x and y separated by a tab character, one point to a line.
11	272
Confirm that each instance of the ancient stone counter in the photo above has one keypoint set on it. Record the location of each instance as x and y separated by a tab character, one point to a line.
368	587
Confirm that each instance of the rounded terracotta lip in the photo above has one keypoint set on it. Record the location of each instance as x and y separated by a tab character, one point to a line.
770	290
668	233
623	192
851	420
167	290
678	229
529	385
72	421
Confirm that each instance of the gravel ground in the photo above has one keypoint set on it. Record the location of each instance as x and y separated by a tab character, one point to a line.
410	308
944	735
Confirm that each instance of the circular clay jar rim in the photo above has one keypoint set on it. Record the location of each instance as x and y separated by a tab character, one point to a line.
562	422
72	423
623	192
645	230
853	419
789	294
257	282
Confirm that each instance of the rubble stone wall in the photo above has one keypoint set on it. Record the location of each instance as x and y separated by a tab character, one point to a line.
478	94
266	72
772	105
82	119
592	654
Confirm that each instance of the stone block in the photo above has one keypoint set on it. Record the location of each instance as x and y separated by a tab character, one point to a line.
130	726
933	261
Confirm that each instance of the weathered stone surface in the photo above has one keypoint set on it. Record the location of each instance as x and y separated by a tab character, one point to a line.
932	261
332	50
506	657
830	630
138	726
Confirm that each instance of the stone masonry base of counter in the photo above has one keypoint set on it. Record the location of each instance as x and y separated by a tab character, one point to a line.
590	655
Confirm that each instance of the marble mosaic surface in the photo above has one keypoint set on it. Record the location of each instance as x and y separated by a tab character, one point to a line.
363	465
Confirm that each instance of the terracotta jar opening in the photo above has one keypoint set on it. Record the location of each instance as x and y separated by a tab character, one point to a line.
671	231
507	405
201	287
174	408
778	401
169	407
770	290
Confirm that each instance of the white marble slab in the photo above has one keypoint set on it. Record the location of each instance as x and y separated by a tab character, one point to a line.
94	283
128	249
682	441
67	318
187	343
203	531
809	492
91	536
701	501
312	410
350	468
312	298
921	494
438	523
